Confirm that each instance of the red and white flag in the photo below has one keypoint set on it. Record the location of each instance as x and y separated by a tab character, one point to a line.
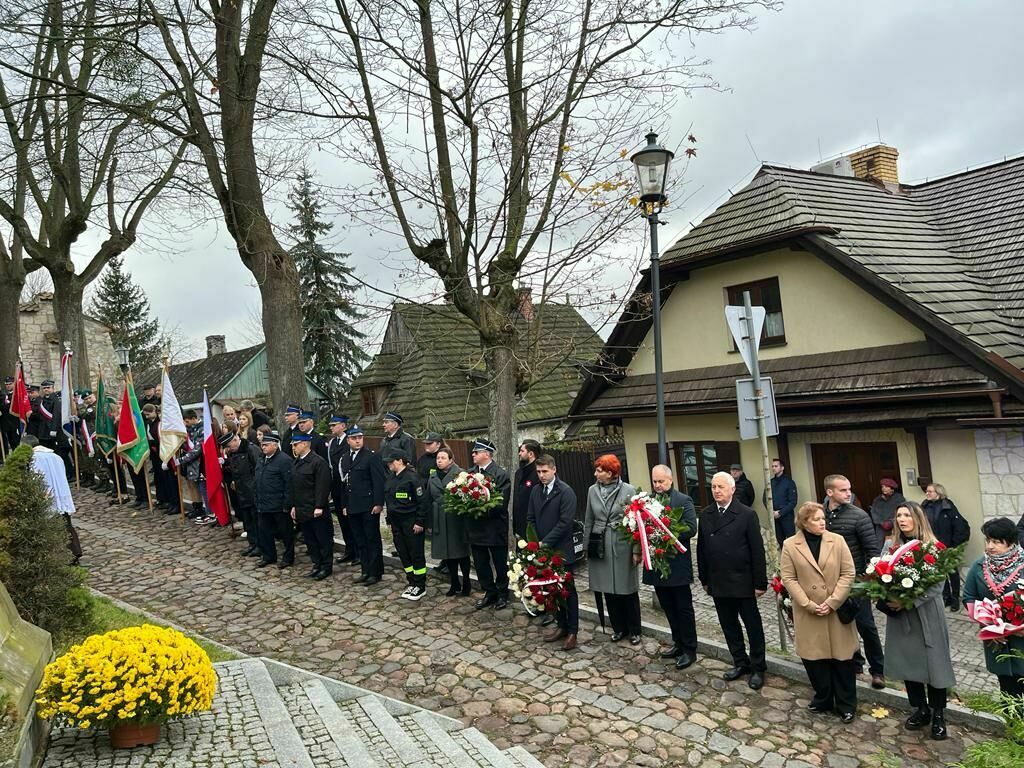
21	406
87	438
215	492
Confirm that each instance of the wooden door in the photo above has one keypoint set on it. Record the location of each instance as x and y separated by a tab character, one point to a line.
865	464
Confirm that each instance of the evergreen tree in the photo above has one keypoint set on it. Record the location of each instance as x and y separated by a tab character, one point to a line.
332	347
121	304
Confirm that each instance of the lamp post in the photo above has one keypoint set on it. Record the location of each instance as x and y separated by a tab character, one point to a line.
652	164
122	357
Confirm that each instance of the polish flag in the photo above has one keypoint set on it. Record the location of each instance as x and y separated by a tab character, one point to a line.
215	491
21	406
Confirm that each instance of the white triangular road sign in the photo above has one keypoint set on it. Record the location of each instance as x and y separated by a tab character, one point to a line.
736	317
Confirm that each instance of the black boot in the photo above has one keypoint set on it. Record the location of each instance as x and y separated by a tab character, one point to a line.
467	585
453	578
939	732
921	717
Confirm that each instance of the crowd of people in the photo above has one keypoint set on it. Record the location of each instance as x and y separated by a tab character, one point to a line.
298	480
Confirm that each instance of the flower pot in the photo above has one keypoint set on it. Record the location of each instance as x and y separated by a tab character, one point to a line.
128	735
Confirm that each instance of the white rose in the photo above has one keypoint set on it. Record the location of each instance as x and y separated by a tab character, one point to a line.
463	476
870	568
518	568
522	544
886	577
907	583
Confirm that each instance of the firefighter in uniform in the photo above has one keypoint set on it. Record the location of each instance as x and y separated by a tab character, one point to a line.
291	420
310	507
407	505
396	438
337	448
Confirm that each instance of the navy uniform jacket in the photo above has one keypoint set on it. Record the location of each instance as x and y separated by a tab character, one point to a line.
405	494
552	514
365	487
311	486
730	551
492	530
681	564
318	443
273	483
286	440
337	447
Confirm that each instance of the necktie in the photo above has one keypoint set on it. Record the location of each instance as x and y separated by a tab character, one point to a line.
721	510
547	490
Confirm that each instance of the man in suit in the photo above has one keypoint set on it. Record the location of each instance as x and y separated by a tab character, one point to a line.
488	536
674	592
273	492
551	509
364	501
337	447
307	426
784	500
395	438
291	422
731	566
310	494
526	479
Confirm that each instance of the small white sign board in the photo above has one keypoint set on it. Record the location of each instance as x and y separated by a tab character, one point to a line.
736	318
746	404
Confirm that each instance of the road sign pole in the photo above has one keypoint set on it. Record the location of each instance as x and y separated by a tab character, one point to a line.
766	468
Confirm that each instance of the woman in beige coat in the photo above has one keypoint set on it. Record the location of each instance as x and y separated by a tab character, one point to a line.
817	571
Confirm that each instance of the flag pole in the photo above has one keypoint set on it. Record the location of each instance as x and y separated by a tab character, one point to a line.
181	490
72	437
117	477
145	479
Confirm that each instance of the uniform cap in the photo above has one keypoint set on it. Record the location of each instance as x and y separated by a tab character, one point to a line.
148	386
271	437
226	438
392	416
292	409
305	416
339	419
9	380
301	437
398	453
47	382
483	444
432	437
33	387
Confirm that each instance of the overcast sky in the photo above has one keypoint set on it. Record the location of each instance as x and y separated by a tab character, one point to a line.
938	80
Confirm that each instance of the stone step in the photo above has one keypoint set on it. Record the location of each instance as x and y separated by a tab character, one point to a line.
435	740
286	743
481	749
523	757
340	728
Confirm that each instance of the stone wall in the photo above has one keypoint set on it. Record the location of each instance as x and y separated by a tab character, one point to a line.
41	349
1001	471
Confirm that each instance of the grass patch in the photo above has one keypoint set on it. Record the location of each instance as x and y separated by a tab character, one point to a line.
107	615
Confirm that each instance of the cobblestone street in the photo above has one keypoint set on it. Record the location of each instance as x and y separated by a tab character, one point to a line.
603	704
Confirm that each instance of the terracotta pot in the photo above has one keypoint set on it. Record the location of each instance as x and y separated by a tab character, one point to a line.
128	735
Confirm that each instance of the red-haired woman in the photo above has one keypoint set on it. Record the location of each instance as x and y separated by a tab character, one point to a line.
610	557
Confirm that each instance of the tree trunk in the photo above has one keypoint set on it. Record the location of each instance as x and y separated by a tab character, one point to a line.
282	329
504	434
10	337
67	311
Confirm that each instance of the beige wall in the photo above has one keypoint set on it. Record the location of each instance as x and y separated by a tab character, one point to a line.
822	312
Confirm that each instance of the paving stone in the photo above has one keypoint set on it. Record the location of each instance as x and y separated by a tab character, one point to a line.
722	744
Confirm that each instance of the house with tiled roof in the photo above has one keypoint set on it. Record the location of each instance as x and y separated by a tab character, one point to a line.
894	334
432	371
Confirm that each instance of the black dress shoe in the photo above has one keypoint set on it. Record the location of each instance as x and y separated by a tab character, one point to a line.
672	652
818	710
264	563
360	578
321	575
313	572
485	601
635	640
735	673
939	732
285	564
616	636
501	604
684	660
756	681
846	718
921	717
452	591
371	581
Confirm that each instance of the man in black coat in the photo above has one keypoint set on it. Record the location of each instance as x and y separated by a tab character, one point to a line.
674	593
311	495
364	477
731	566
307	426
337	448
8	421
291	426
744	488
241	460
488	536
526	479
273	493
395	438
551	509
855	525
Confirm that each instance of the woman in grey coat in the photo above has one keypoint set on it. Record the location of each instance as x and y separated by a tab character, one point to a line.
448	539
615	575
917	640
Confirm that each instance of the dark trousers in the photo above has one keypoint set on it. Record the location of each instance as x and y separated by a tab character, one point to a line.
454	564
365	529
139	481
493	581
916	695
250	523
785	527
337	492
731	610
834	683
410	549
951	589
568	618
276	525
872	644
166	483
677	603
318	533
1011	685
624	613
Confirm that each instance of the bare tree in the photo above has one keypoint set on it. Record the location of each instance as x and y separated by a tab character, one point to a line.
71	161
36	283
498	133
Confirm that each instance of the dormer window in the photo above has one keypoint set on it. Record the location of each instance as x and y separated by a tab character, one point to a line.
373	398
763	293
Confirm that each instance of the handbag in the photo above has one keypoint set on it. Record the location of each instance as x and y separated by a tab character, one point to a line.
595	546
847	612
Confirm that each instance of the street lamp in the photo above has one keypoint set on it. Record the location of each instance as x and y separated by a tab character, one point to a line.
122	357
652	164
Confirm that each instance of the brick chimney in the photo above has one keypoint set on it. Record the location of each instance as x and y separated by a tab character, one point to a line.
215	346
525	296
877	162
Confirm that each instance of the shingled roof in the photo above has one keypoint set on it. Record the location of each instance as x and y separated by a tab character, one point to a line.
432	362
213	371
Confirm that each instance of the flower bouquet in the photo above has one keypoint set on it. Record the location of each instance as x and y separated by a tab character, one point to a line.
906	573
1000	619
130	680
784	600
656	528
538	575
471	495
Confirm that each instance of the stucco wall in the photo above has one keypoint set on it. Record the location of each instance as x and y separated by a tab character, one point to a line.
41	351
696	334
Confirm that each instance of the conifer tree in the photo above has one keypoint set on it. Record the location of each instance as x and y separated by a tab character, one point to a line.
332	346
121	304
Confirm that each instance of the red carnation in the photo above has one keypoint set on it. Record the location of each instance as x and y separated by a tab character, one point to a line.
568	577
908	559
532	546
542	559
940	546
930	559
659	552
531	571
636	535
556	560
475	494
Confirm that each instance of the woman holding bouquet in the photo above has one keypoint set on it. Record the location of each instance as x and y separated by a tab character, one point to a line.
917	639
817	570
993	575
448	539
611	568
